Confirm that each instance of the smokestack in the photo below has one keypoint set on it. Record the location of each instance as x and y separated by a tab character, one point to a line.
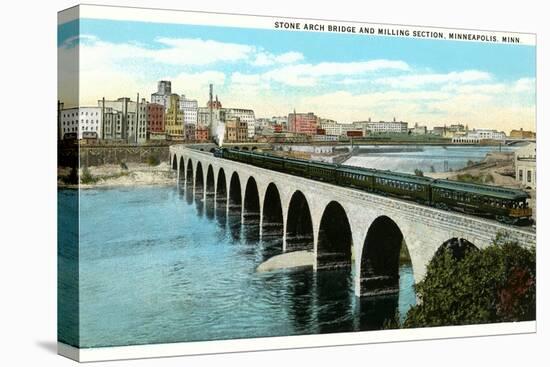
102	118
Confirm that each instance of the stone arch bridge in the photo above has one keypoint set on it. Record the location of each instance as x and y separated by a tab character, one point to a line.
343	227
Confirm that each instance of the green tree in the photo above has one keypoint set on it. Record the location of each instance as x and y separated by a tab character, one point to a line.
495	284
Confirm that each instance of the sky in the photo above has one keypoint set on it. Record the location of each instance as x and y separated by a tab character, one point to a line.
345	77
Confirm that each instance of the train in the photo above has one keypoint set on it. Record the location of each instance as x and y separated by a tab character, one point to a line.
505	205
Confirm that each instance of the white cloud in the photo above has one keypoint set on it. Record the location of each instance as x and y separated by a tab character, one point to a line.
268	59
499	105
198	51
421	80
309	75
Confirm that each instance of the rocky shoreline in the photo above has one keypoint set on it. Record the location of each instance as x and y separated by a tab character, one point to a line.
111	175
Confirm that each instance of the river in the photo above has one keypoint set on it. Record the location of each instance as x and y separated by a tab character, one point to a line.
427	158
156	266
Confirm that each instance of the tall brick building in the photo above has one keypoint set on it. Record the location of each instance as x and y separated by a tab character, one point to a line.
302	123
155	118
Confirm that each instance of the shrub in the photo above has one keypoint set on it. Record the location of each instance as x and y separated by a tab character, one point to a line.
86	177
153	160
495	284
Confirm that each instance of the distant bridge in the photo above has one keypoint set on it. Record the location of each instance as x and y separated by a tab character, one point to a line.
512	141
344	228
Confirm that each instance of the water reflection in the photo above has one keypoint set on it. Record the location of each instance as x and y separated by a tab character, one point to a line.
195	279
234	220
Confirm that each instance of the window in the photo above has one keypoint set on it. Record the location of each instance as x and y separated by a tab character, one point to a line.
529	176
520	175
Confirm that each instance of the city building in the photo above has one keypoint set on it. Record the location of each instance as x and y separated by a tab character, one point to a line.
302	123
281	120
190	110
216	104
488	134
418	130
190	132
174	118
201	134
331	127
354	133
236	131
124	119
162	95
204	114
477	135
155	118
451	131
387	127
522	134
81	122
526	165
244	115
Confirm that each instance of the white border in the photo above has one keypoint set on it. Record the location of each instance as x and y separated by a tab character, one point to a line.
291	342
175	16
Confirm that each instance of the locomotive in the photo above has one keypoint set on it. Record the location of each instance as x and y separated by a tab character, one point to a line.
505	205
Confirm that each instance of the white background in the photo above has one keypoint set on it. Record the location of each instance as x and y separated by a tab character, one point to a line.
28	183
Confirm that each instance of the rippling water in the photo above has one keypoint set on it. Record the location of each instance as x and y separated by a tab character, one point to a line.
427	158
156	266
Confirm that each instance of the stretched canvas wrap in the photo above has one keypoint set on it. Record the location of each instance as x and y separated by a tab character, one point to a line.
237	182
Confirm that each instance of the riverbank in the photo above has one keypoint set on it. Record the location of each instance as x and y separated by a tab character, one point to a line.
495	169
116	175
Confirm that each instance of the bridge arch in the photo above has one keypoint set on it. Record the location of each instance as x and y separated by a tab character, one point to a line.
199	180
235	196
272	215
251	210
299	226
190	172
335	240
210	184
221	189
175	162
181	170
383	250
209	192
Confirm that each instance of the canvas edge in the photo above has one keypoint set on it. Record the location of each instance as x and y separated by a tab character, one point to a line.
179	349
291	342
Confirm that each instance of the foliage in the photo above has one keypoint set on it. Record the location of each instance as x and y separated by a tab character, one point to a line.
392	323
467	177
153	160
86	177
495	284
418	172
